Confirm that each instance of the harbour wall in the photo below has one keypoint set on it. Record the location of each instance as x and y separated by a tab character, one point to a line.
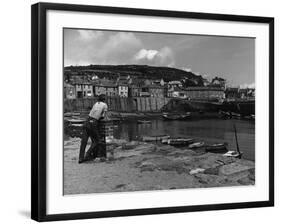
121	104
158	104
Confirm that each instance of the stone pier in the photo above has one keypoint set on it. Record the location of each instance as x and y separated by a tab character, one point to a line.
106	130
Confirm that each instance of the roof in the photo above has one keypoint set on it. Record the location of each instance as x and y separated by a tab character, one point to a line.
177	89
218	78
204	88
81	83
155	87
106	82
232	89
108	86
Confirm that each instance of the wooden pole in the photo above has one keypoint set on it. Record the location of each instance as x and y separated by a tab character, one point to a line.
237	146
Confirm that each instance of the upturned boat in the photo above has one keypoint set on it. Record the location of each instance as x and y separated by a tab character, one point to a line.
155	138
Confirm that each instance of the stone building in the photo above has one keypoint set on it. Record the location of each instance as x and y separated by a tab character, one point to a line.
83	89
69	91
218	82
232	93
108	90
123	90
205	93
156	91
134	91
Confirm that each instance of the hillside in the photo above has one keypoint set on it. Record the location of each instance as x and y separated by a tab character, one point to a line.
140	71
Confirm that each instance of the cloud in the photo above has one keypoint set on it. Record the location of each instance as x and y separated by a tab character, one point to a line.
90	34
146	54
84	47
120	46
162	57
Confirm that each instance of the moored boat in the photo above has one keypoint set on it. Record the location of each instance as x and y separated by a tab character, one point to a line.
235	115
168	116
155	138
225	114
70	114
216	148
75	121
178	141
196	145
234	154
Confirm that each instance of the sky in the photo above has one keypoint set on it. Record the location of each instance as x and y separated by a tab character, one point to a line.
232	58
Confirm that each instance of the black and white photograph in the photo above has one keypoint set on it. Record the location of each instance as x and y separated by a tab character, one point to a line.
146	111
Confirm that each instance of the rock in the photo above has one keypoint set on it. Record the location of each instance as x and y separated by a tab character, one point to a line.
147	166
145	147
246	181
122	154
207	180
212	171
236	170
115	141
130	145
197	170
252	175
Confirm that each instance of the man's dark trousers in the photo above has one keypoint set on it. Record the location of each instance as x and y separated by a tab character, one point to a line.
91	129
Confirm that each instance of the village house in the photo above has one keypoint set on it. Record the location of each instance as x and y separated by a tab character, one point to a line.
108	90
106	87
205	93
83	89
156	91
123	90
232	93
174	84
177	92
134	91
206	82
69	91
159	82
247	93
218	82
123	82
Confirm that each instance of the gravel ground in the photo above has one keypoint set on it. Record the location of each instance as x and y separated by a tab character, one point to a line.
140	166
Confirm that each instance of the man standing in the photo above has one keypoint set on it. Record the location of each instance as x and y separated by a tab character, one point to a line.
91	129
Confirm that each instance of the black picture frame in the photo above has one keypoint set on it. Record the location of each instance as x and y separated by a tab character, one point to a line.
39	122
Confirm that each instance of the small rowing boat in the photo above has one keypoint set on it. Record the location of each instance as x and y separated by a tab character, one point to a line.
178	141
168	116
235	115
237	153
75	121
234	154
225	114
70	114
216	148
155	138
196	145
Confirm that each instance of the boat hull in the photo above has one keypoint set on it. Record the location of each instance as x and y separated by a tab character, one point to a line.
155	138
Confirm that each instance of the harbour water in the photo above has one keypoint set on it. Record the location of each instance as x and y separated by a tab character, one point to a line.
208	130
